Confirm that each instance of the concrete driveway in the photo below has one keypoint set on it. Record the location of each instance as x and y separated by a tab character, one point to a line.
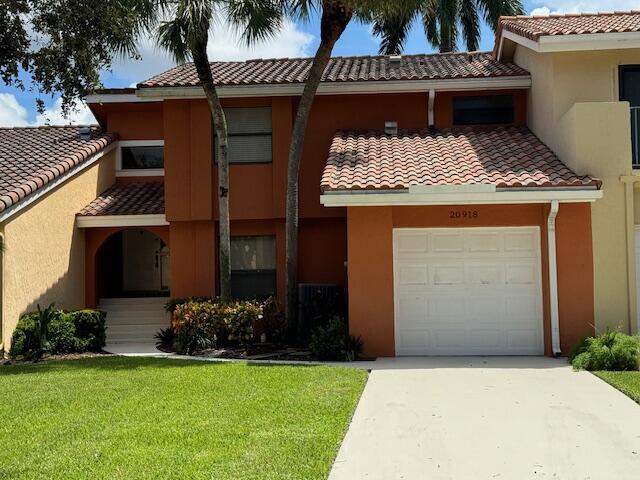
489	418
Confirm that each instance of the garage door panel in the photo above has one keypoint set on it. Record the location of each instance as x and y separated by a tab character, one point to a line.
443	307
491	242
485	274
447	274
448	338
413	310
522	274
474	291
520	242
486	308
524	306
416	243
487	339
451	242
412	274
523	339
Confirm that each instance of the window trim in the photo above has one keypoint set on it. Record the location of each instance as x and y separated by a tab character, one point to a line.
141	172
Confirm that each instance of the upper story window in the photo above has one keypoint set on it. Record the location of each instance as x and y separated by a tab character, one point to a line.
249	132
629	76
138	158
483	110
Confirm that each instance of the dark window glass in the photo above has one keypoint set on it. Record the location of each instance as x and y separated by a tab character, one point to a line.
630	84
249	131
253	267
142	157
483	110
630	92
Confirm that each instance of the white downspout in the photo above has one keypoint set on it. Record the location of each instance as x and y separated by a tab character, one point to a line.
432	101
553	277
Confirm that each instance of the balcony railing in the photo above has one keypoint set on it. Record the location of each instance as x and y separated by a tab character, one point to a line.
635	136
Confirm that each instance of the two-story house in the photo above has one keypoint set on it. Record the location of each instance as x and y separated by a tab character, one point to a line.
468	203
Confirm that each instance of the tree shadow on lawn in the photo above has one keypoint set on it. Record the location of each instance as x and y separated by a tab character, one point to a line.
121	363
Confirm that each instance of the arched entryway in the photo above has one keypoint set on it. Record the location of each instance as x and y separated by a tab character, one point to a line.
133	263
129	277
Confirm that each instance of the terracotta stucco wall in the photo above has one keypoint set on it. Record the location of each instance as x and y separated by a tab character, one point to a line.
370	268
44	258
574	108
258	192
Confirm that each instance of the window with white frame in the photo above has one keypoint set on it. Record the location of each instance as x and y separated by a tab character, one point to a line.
140	158
249	133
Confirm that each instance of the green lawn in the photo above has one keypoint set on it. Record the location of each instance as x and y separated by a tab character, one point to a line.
627	382
116	417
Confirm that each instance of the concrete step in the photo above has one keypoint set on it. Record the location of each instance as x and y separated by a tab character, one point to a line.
109	302
136	319
132	333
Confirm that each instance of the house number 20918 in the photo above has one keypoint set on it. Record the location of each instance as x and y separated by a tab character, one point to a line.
463	214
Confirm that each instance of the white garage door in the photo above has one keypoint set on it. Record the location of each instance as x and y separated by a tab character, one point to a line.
468	291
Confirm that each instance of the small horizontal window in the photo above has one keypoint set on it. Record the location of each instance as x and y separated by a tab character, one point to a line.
483	110
142	157
253	267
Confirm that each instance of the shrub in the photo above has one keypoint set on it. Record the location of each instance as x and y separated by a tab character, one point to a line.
171	305
165	339
62	335
58	332
611	350
194	324
332	342
24	338
273	321
199	324
90	327
238	318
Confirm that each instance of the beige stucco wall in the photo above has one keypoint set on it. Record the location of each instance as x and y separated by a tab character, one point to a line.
44	250
574	108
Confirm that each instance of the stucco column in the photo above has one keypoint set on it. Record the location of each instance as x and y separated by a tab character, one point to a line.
370	275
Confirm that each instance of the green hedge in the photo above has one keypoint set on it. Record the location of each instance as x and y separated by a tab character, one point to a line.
69	332
611	350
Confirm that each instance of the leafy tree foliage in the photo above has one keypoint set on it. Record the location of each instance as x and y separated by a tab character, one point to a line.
63	45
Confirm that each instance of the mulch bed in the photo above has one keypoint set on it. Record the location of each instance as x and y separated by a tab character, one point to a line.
262	351
68	356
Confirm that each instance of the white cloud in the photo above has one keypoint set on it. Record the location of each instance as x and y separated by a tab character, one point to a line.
225	44
545	7
79	115
13	114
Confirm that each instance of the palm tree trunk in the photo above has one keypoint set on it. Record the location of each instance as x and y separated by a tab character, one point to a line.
201	62
335	18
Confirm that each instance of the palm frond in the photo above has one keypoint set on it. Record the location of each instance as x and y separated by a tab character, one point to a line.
448	25
470	22
259	19
430	23
393	32
492	10
171	38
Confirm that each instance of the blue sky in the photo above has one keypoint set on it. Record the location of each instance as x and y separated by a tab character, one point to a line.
18	107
